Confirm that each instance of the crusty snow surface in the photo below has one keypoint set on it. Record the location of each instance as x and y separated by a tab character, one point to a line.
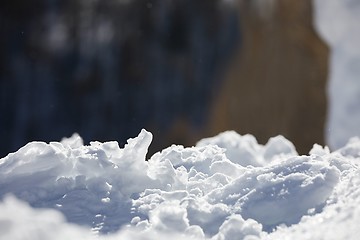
226	187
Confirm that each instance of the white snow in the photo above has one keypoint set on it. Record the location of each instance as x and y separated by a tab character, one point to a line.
226	187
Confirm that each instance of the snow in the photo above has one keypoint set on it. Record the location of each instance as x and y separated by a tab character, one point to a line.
337	23
225	187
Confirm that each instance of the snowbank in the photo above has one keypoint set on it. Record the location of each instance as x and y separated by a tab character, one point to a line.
226	187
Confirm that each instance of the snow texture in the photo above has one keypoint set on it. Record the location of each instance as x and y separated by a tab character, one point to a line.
226	187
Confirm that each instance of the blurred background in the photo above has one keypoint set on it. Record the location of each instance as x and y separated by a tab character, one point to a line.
182	69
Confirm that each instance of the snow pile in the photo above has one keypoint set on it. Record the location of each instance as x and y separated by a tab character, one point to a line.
226	187
338	24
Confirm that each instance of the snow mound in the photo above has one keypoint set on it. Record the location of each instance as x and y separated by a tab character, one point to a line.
226	187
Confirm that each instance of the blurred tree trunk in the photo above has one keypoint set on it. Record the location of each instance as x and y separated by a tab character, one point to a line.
276	82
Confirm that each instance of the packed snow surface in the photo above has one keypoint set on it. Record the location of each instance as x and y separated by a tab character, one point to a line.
226	187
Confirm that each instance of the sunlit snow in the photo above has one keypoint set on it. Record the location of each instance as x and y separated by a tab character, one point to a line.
226	187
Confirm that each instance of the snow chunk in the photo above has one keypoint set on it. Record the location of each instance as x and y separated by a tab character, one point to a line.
277	147
242	150
19	221
235	227
245	151
84	180
280	193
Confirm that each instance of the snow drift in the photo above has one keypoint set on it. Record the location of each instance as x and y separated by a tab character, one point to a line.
226	187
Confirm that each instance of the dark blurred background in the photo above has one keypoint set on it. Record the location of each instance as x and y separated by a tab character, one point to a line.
182	69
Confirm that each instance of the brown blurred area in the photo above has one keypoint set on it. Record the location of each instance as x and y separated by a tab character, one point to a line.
275	82
182	69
